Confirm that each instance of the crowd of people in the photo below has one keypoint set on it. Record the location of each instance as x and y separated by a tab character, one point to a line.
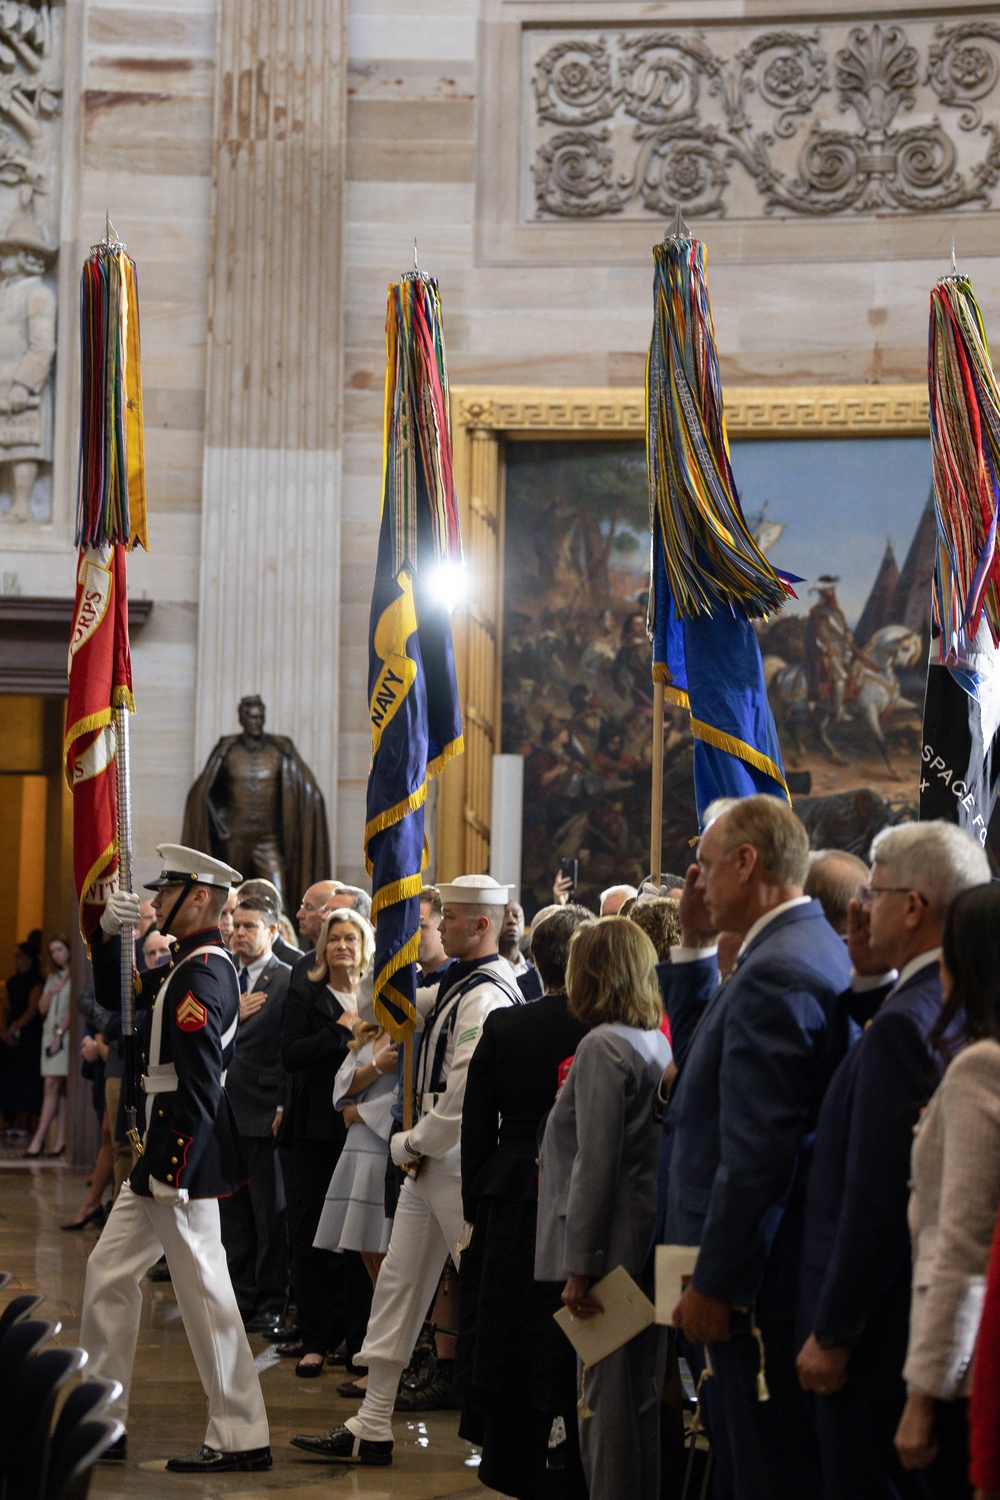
787	1061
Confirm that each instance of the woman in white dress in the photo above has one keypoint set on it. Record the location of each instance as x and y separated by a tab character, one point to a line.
353	1216
54	1005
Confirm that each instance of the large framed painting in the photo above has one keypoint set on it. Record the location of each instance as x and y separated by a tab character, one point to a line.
554	661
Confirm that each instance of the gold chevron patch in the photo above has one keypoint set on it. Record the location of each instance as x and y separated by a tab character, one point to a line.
191	1015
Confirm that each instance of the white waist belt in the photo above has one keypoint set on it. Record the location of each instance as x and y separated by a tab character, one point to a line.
164	1080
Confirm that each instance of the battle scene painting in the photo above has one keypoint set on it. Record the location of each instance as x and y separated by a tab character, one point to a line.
844	663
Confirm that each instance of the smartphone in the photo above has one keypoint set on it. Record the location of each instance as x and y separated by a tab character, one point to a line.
570	867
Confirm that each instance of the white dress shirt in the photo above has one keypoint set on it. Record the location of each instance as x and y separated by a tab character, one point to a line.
691	955
255	970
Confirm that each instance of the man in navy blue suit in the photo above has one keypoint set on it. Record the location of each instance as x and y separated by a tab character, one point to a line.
855	1283
756	1053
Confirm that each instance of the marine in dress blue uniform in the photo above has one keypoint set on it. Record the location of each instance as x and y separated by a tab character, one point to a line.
191	1158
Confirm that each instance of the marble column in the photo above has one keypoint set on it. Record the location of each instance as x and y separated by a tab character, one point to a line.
270	520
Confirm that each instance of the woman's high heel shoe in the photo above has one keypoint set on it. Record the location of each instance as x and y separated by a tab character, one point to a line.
31	1155
96	1216
51	1155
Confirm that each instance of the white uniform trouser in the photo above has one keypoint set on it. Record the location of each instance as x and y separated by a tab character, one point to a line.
138	1231
426	1229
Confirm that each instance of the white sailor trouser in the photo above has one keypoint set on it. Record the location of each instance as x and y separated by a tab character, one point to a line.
426	1228
138	1231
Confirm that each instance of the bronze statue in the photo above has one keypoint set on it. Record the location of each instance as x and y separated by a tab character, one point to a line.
257	805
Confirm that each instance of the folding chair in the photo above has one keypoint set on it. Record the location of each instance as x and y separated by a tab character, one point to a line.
33	1401
18	1309
88	1399
18	1344
74	1456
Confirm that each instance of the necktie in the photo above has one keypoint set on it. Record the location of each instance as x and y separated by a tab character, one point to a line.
244	980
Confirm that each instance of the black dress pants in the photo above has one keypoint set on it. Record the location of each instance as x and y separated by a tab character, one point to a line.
317	1275
763	1450
856	1429
255	1233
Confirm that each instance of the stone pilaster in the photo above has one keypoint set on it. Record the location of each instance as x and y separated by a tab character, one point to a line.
270	527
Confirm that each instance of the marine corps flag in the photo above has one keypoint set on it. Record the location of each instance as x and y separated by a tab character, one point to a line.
960	752
111	515
708	578
100	680
412	693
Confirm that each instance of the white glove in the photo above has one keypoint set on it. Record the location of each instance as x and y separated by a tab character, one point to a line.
399	1150
120	910
649	892
170	1197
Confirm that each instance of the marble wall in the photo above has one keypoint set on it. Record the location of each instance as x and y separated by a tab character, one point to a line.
141	135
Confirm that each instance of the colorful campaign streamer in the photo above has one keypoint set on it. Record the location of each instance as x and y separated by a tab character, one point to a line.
711	557
111	498
965	446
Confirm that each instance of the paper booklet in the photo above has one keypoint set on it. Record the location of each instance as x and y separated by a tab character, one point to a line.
627	1311
674	1268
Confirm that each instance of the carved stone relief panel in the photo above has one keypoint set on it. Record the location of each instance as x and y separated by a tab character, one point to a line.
852	124
31	71
793	120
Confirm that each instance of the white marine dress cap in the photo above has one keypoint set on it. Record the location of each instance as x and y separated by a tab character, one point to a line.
474	890
182	865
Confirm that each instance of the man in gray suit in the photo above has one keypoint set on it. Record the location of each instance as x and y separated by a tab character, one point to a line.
254	1230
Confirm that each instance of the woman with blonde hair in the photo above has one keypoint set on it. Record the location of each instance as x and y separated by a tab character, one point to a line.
353	1216
597	1191
316	1031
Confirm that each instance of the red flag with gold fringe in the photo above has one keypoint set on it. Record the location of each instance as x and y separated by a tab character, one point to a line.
100	680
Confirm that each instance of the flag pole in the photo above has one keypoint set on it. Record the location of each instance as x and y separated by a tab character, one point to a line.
124	774
656	800
656	816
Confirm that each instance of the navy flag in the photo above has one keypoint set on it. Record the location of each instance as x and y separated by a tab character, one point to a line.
708	577
412	692
711	665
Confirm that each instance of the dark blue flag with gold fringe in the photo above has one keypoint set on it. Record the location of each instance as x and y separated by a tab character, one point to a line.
708	578
412	692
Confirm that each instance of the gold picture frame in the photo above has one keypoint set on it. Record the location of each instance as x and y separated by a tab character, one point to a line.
484	420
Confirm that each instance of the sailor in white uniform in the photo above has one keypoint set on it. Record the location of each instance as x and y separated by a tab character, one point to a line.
191	1158
429	1223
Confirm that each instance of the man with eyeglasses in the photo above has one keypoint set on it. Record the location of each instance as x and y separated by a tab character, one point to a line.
855	1278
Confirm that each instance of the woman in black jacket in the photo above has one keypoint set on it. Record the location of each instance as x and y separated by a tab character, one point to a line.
319	1013
517	1368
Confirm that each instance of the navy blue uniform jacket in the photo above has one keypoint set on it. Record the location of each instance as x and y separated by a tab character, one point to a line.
856	1247
756	1055
191	1139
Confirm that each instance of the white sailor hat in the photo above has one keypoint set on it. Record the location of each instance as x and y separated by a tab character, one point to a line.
183	866
474	890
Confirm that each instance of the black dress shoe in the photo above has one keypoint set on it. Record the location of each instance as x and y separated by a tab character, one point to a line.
117	1453
438	1396
289	1334
159	1272
265	1323
210	1461
310	1371
341	1446
352	1390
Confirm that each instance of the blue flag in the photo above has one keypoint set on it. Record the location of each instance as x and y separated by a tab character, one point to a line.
708	577
412	693
711	665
